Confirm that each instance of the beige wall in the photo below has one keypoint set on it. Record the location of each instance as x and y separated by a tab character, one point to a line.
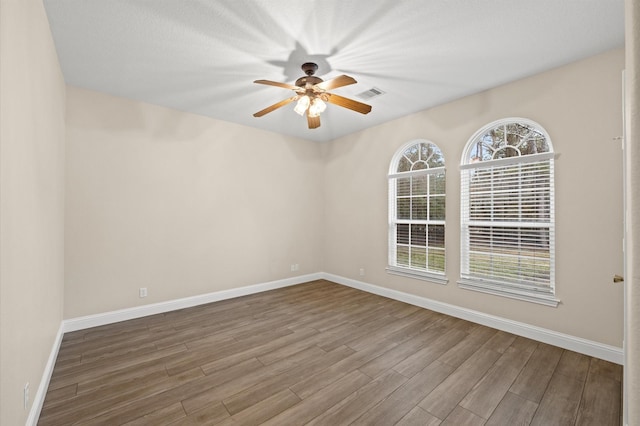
181	204
31	201
632	278
580	107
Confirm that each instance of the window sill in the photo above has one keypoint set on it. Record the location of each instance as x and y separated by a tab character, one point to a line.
419	275
489	287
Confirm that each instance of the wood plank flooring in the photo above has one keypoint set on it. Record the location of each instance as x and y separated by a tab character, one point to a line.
321	354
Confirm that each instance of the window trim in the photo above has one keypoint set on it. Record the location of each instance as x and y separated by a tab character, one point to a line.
419	275
499	289
392	268
519	291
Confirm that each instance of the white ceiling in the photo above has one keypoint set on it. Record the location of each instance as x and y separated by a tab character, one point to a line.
202	56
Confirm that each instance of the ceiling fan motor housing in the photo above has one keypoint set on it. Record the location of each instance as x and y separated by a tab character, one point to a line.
302	81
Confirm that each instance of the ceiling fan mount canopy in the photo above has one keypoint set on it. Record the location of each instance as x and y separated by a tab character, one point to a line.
309	68
312	93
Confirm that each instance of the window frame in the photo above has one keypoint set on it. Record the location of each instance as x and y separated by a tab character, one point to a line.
392	177
503	287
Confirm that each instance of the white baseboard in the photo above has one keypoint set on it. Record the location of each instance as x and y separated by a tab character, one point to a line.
105	318
565	341
38	399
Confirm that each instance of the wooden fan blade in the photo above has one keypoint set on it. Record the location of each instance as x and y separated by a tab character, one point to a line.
343	80
274	106
313	122
275	83
348	103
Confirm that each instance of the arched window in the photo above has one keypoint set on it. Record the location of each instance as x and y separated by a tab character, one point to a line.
507	212
417	212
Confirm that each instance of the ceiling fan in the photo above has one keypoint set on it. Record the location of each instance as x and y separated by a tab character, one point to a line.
311	94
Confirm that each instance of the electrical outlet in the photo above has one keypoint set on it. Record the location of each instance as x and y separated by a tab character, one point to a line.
25	396
297	267
143	292
293	267
362	272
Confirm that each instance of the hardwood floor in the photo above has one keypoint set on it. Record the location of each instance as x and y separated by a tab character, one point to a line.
321	354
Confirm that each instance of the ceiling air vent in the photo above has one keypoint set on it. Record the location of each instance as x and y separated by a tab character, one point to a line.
371	93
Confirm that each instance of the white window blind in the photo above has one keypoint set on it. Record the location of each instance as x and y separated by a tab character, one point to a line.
507	212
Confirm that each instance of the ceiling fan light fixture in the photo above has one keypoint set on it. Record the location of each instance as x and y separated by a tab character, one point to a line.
317	107
302	105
